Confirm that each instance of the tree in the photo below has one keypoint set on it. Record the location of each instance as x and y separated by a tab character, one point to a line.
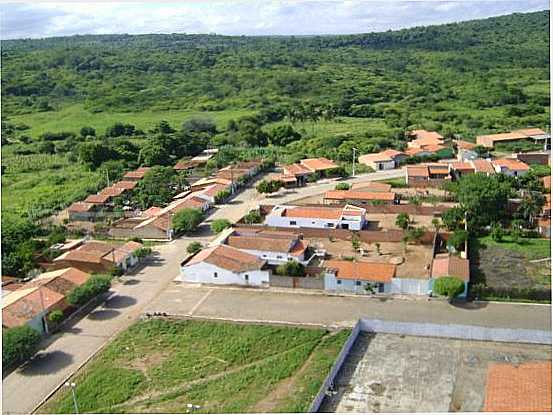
516	230
156	188
403	220
484	198
154	153
252	217
415	234
187	220
163	127
119	129
219	225
531	206
457	239
453	218
88	132
200	125
355	242
449	286
497	233
55	316
18	345
342	186
436	224
95	153
291	268
143	252
194	247
270	186
283	135
94	286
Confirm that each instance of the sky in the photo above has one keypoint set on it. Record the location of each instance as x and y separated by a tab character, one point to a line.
243	17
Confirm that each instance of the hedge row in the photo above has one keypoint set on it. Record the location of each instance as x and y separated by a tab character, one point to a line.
18	345
90	289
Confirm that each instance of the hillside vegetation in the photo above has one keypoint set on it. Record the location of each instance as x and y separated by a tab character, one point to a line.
154	99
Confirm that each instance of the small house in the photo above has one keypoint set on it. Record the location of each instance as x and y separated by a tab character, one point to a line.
510	167
320	217
385	160
358	277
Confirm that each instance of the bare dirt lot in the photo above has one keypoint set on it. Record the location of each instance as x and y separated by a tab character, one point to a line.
393	373
416	262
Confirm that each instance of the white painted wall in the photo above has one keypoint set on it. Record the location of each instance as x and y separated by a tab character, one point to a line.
274	258
291	222
206	273
333	284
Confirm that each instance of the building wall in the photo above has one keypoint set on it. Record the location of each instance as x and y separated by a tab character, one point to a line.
89	267
146	232
274	258
310	283
205	273
466	155
287	222
410	286
351	286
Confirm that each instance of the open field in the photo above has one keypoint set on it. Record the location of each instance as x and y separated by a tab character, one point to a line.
73	117
395	373
161	366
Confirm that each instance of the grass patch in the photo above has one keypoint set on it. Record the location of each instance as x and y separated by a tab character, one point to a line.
532	248
72	118
161	366
398	182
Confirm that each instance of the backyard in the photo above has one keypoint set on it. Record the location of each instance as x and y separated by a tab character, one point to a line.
160	366
512	270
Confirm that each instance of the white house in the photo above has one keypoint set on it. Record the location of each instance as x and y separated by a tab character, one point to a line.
510	167
274	247
347	217
358	277
385	160
225	265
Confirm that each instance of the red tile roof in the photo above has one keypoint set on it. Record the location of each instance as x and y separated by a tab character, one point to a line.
450	266
465	145
426	135
22	305
462	166
511	164
113	191
318	164
483	166
99	199
314	212
358	270
228	258
530	131
522	388
356	195
371	187
125	184
81	207
295	170
417	171
138	173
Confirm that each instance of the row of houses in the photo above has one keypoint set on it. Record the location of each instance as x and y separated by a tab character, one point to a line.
156	222
99	206
32	302
248	258
536	134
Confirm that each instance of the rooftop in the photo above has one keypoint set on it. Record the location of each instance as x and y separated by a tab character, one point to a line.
20	306
372	187
125	184
97	198
511	164
483	166
81	207
267	243
318	164
228	258
358	270
357	195
445	265
522	388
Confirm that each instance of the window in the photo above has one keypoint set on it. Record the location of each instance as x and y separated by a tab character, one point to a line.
339	282
358	283
264	255
215	275
292	222
279	256
329	225
247	277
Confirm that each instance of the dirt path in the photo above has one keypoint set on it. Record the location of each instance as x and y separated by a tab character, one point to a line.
287	386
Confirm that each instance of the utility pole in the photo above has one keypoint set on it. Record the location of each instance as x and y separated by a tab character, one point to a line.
72	385
353	163
107	177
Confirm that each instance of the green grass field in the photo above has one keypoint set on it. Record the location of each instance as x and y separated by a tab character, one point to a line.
532	248
159	366
73	118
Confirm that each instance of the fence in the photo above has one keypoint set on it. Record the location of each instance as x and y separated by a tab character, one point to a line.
329	381
410	286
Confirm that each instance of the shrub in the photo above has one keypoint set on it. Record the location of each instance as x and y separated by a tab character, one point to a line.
18	345
342	186
497	233
252	217
220	225
449	286
194	247
143	252
403	220
55	316
90	289
270	186
414	234
222	196
457	239
291	268
187	220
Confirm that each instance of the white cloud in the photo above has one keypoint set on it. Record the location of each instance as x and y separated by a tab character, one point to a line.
264	17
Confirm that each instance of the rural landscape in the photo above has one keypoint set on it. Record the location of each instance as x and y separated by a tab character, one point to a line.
205	223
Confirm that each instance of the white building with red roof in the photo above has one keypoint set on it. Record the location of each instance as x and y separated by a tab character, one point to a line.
321	217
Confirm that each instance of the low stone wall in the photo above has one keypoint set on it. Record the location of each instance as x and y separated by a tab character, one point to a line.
423	183
310	283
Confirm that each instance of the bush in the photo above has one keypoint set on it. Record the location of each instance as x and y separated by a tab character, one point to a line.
457	239
194	247
252	217
403	220
497	233
291	268
55	316
449	286
143	252
270	186
90	289
18	345
342	186
187	220
220	225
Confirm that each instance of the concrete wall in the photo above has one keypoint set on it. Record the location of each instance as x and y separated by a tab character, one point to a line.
410	286
274	258
310	283
291	222
205	273
426	183
352	286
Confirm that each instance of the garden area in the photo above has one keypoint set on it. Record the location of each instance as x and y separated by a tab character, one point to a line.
160	366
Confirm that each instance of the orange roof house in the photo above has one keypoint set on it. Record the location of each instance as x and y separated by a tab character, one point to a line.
228	258
318	164
483	166
424	138
26	303
360	270
125	184
98	199
79	207
522	388
490	140
510	165
446	265
137	174
371	187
